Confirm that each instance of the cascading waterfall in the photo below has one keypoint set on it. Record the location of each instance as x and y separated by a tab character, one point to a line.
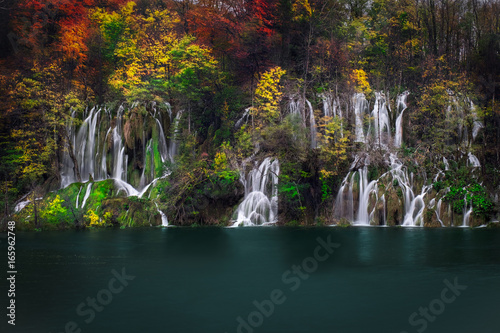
370	200
119	172
401	107
244	118
365	190
360	107
87	194
467	213
312	125
363	201
162	144
78	196
380	115
260	205
164	219
175	135
474	161
100	151
297	107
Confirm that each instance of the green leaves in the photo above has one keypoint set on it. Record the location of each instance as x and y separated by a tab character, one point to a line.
194	69
55	213
475	194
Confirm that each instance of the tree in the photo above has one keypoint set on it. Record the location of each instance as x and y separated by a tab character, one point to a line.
33	160
268	97
194	73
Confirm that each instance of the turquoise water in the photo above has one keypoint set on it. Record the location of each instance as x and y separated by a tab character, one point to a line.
207	279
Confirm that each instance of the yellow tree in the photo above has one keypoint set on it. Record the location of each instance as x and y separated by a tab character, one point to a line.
333	144
33	160
268	97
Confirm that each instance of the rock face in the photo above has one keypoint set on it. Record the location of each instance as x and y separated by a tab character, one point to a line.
394	207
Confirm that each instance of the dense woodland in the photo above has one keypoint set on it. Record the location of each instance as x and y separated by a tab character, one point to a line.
216	59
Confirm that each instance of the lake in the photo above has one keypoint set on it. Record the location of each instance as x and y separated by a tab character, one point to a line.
262	279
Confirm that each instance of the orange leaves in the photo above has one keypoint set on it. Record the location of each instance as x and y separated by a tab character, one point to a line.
213	28
72	43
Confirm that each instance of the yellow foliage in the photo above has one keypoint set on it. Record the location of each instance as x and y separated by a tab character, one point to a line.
268	95
301	10
359	77
107	217
93	219
333	144
220	162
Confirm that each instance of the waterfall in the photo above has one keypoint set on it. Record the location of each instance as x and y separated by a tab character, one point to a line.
369	198
331	105
100	135
87	194
164	219
147	162
162	143
380	116
119	171
438	211
365	190
474	161
401	107
243	118
364	202
21	205
260	205
78	196
175	135
312	124
85	144
360	105
67	172
467	213
104	167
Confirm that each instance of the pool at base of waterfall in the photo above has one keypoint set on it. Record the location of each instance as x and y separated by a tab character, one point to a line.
258	280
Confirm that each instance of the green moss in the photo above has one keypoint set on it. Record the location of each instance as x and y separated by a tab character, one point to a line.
343	222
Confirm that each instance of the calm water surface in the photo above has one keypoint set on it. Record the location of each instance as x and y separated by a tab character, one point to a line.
204	279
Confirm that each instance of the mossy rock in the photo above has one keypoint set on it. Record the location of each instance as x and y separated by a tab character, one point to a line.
131	212
378	216
395	208
430	218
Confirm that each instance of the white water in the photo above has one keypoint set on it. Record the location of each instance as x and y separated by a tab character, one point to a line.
91	148
312	125
467	213
380	115
175	136
474	161
360	106
260	205
331	105
78	196
87	194
164	219
438	211
21	205
401	107
125	187
368	195
365	190
244	118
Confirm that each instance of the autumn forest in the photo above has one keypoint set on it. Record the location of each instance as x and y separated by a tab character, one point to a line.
249	112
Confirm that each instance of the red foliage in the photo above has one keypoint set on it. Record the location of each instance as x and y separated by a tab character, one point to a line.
215	29
263	14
